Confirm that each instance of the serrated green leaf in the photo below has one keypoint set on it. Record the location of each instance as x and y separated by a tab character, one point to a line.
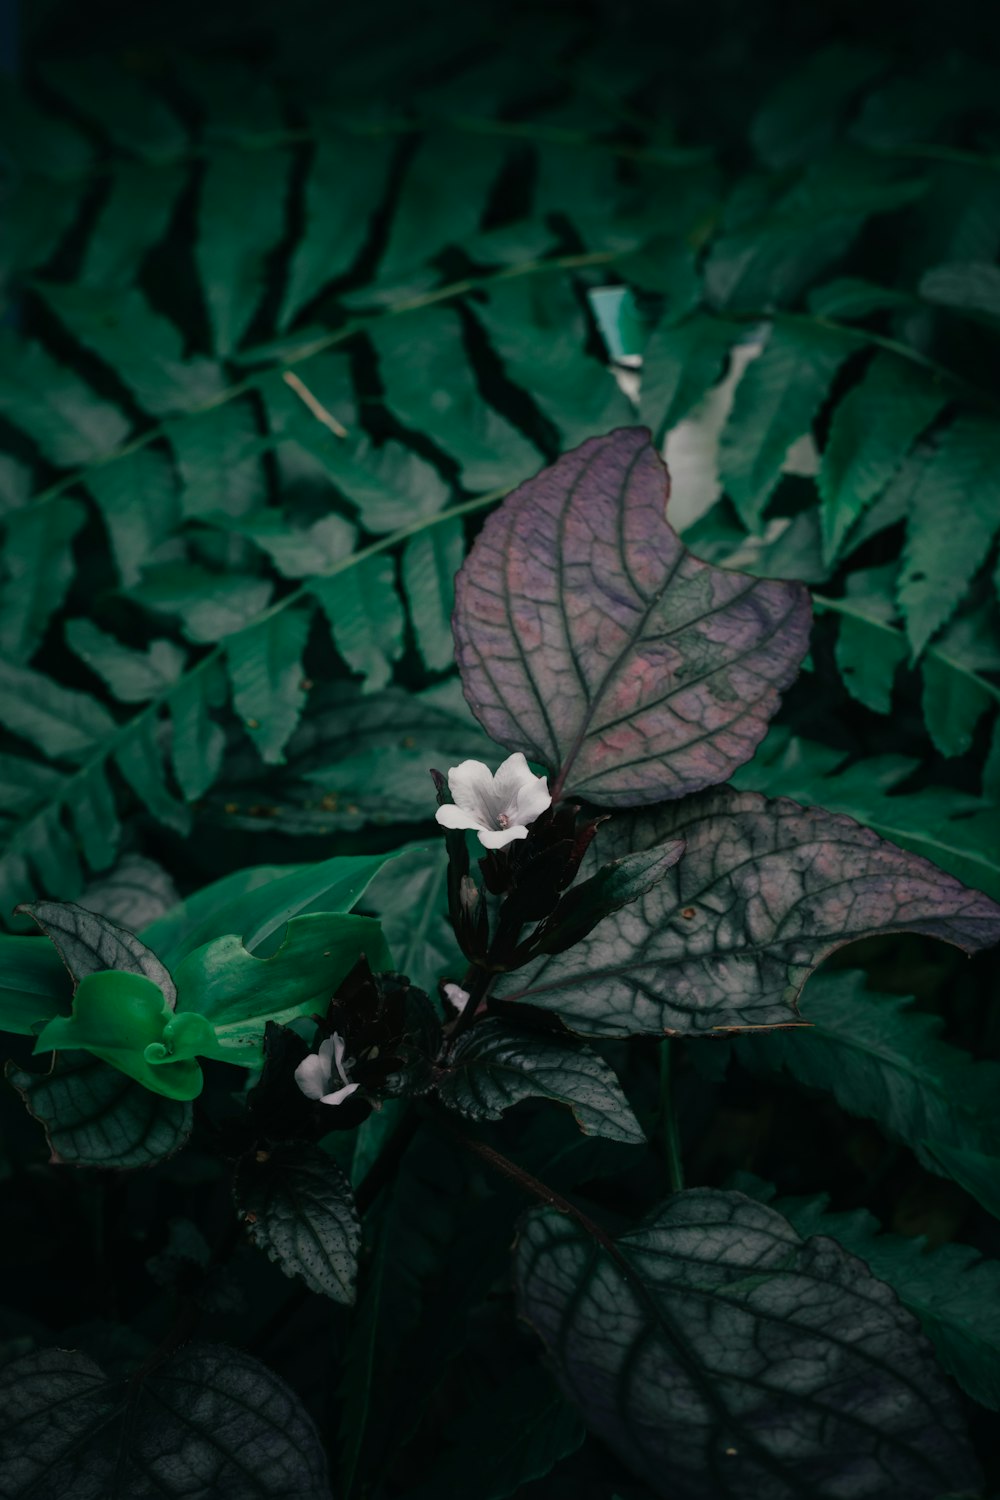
210	605
95	1116
218	455
680	364
366	619
302	551
197	743
143	348
133	218
133	894
95	818
873	429
955	697
853	297
61	722
494	1066
137	496
266	672
731	1329
68	421
954	516
972	288
298	1207
140	759
775	403
443	197
134	117
430	561
132	676
976	1171
25	783
868	657
950	1288
38	557
241	219
800	117
431	388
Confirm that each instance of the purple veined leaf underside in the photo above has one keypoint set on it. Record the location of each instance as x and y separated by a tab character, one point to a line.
588	636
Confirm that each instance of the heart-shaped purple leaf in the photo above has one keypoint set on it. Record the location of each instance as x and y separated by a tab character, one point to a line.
764	892
590	638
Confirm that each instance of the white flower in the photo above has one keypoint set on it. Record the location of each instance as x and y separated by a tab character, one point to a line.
498	807
316	1072
458	997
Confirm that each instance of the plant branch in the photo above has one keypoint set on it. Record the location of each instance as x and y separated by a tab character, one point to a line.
667	1119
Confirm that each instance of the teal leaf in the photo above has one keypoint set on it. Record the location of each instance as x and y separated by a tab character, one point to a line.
139	757
219	458
117	100
365	615
136	530
241	219
681	363
133	218
443	197
34	985
59	721
38	558
133	676
970	287
297	1206
266	672
197	743
59	411
430	561
409	896
211	605
494	1066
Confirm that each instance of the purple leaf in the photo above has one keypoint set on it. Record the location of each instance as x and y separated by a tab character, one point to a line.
763	893
590	638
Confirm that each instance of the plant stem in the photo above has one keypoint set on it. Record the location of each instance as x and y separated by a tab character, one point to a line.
478	981
667	1122
534	1187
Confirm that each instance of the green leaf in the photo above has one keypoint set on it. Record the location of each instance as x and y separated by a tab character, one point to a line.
799	118
135	893
300	551
775	403
219	458
430	561
256	903
868	657
125	1020
70	424
443	197
297	1206
134	117
238	992
35	986
955	697
680	365
872	431
853	297
970	287
144	349
89	944
366	618
136	530
95	1116
954	516
197	742
494	1066
409	895
59	721
431	388
753	1344
886	1062
950	1288
25	783
805	881
265	668
38	558
241	219
976	1171
346	183
132	676
133	218
139	757
207	1419
210	605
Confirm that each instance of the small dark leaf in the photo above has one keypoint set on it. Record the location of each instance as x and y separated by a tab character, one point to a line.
764	892
297	1205
588	637
493	1066
615	885
95	1116
208	1421
89	943
723	1358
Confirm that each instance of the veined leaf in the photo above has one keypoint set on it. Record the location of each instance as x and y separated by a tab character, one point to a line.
70	424
954	516
206	1417
95	1116
61	722
727	939
143	348
494	1066
136	892
664	683
38	557
430	561
218	455
950	1288
872	431
298	1207
776	400
265	668
136	529
133	676
739	1356
365	615
299	552
210	605
885	1061
89	944
241	219
430	387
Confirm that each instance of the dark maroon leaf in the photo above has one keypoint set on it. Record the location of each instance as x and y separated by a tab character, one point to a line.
765	890
590	638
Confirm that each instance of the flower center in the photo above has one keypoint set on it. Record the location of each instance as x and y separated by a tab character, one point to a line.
503	821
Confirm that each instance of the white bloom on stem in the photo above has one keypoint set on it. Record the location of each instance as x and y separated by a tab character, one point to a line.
459	998
498	807
319	1070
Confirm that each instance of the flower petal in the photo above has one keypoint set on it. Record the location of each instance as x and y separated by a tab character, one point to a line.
496	838
313	1075
458	997
471	785
339	1095
511	775
338	1056
531	801
450	816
